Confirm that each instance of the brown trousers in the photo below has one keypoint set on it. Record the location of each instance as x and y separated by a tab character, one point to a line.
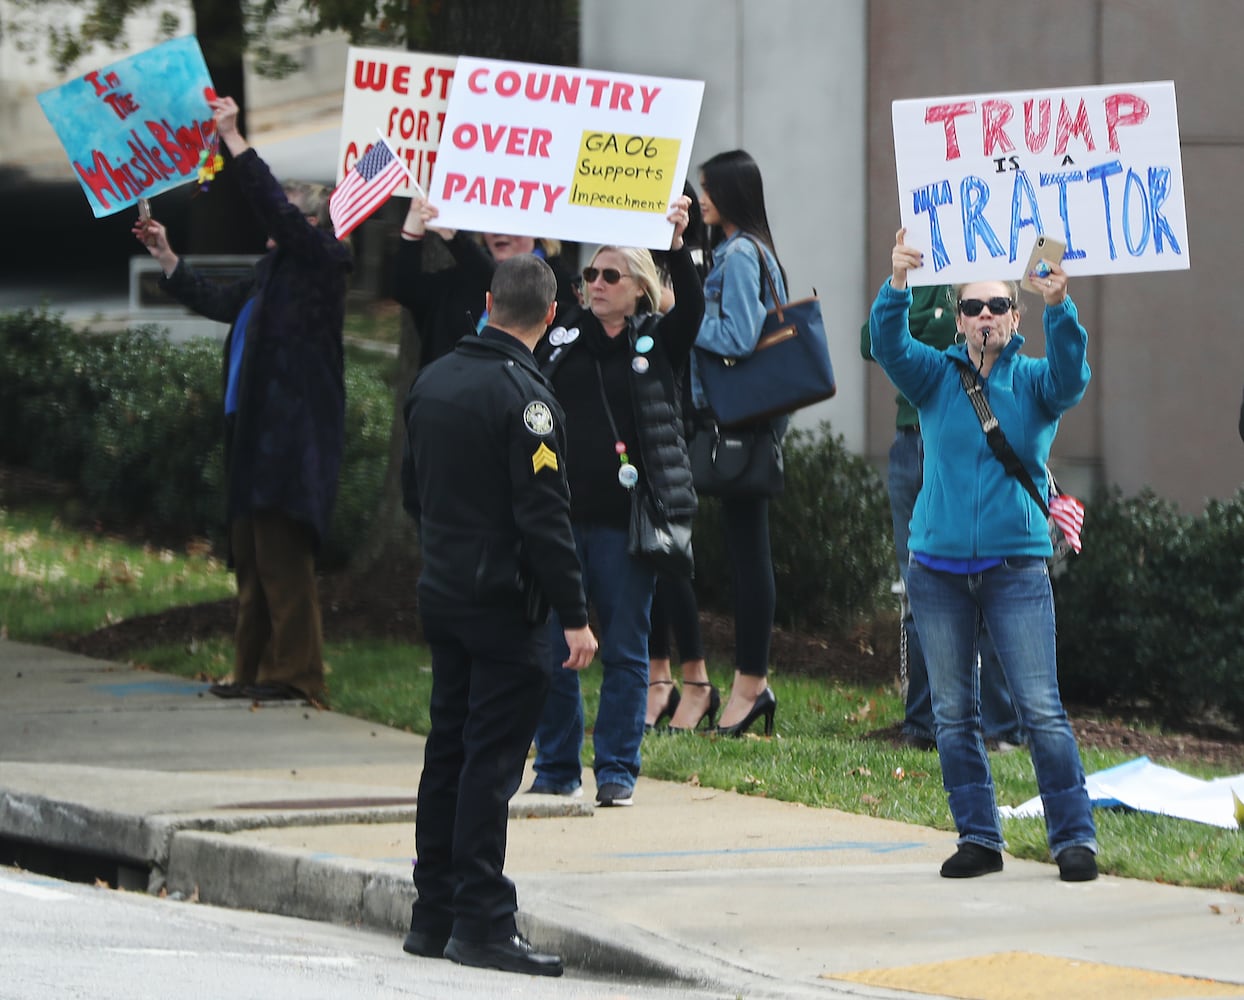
279	637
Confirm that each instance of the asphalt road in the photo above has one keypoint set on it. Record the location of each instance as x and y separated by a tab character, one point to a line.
67	940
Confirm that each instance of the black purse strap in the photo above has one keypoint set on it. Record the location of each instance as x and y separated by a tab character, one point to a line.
998	444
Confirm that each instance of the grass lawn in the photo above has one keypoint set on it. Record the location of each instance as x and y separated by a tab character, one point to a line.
56	581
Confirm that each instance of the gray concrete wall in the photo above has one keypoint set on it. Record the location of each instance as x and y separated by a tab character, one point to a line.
1165	348
784	79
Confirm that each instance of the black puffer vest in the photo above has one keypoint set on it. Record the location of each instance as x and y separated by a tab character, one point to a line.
658	416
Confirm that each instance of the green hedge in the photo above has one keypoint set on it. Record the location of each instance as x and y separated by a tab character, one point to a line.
1151	613
134	420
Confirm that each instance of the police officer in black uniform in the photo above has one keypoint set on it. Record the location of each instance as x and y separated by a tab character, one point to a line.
484	477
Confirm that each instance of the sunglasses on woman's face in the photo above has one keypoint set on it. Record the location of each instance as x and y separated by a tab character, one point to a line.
611	275
998	305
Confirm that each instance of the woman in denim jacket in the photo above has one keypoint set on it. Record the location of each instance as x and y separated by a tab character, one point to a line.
736	298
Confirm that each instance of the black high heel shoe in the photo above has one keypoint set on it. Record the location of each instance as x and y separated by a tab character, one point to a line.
671	705
710	713
765	704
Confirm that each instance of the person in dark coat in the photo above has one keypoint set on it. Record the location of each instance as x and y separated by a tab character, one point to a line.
484	477
448	304
284	391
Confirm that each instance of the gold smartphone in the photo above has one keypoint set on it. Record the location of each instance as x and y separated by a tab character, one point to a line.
1045	251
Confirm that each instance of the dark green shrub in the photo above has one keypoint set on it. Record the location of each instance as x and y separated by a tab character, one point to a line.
369	417
135	421
49	376
1150	614
156	434
833	553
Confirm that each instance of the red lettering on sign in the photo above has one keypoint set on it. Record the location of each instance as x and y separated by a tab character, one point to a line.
1069	126
1036	138
994	116
1137	112
946	114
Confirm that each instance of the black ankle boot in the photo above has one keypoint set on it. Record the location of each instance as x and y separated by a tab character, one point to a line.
972	860
1077	864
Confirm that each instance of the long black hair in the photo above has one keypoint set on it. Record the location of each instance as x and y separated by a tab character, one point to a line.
695	236
732	180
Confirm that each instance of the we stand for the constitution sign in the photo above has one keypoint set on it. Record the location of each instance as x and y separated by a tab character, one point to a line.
575	154
1097	168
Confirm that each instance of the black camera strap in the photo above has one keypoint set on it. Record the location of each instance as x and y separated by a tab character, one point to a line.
994	435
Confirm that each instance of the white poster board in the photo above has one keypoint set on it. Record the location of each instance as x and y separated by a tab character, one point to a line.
557	151
404	95
1097	168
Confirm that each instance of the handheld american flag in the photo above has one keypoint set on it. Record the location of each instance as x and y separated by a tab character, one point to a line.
366	187
1068	514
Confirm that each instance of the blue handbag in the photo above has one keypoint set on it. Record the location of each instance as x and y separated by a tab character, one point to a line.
789	369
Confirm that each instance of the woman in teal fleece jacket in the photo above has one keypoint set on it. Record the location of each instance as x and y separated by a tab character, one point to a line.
979	545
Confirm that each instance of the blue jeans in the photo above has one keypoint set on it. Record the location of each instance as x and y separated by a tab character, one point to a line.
906	475
620	589
1015	603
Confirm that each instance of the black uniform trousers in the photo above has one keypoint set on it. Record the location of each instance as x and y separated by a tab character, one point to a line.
489	681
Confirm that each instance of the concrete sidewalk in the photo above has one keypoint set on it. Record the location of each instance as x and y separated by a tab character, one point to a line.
306	813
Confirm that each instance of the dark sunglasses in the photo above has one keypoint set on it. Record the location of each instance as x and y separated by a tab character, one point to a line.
997	305
611	275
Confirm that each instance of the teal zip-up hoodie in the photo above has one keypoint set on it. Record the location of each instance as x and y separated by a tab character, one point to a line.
969	508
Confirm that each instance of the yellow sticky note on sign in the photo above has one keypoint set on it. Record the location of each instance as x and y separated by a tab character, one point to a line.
628	172
543	457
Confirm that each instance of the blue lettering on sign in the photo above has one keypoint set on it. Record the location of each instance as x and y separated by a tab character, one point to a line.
1145	227
1134	183
1062	179
1103	172
928	199
1023	187
973	197
1159	191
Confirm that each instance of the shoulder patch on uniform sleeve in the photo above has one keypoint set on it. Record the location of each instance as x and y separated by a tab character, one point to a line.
543	457
538	418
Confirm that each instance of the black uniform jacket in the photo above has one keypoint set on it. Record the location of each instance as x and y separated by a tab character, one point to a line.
484	477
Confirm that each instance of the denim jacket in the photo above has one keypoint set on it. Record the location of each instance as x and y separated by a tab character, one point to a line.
736	298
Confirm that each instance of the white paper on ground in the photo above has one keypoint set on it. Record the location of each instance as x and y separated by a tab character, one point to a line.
1140	784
